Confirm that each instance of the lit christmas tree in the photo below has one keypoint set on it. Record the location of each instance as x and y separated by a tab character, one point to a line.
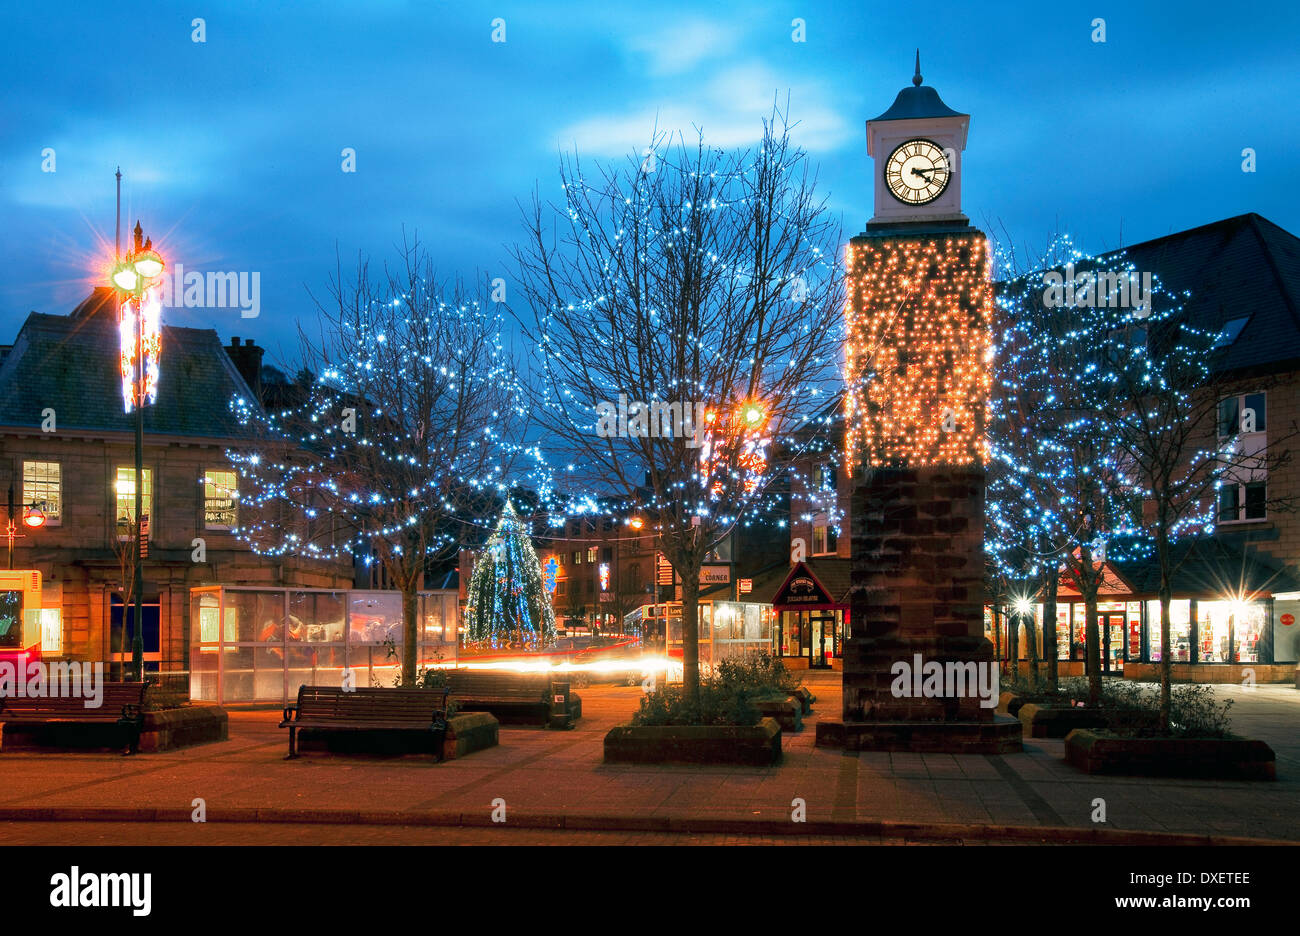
507	602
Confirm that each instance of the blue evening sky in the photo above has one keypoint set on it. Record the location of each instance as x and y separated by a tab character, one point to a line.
230	148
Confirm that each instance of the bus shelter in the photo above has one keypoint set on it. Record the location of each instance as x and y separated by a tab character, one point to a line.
250	644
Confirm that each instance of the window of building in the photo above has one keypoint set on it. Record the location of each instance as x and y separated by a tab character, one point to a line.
125	491
43	487
562	587
1244	414
1242	427
1238	501
591	554
823	477
577	558
1180	630
220	493
824	540
607	554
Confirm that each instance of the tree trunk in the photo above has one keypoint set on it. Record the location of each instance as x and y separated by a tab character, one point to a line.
410	633
1092	647
1013	639
691	634
1050	652
1031	644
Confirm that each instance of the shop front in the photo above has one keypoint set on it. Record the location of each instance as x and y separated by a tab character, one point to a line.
726	629
1240	627
811	614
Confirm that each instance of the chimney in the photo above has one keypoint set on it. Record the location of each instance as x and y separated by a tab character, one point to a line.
247	359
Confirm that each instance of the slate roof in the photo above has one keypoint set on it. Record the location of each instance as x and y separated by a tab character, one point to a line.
1209	566
70	363
832	572
1238	267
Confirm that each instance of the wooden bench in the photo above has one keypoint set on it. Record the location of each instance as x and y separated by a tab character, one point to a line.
326	708
122	705
511	696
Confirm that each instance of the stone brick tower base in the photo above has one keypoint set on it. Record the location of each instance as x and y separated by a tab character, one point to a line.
918	576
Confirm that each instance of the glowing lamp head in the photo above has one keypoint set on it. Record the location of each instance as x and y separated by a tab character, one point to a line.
34	518
1022	606
125	277
752	414
148	264
636	523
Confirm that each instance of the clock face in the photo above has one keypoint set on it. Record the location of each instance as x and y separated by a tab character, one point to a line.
917	172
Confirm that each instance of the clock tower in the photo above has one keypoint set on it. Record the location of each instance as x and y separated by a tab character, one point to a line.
918	673
917	146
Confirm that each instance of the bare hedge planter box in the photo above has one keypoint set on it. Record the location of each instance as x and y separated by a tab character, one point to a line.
787	712
757	746
1048	721
1224	758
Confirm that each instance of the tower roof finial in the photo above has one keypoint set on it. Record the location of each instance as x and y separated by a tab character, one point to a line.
916	79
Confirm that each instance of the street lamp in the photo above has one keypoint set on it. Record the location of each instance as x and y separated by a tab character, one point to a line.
140	333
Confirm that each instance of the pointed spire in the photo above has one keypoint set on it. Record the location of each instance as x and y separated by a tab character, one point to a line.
916	79
139	236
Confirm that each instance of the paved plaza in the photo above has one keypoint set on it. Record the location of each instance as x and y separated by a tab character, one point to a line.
556	781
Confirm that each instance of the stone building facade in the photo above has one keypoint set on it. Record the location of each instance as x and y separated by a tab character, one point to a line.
67	447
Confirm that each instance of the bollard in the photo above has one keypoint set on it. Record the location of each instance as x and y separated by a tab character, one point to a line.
559	705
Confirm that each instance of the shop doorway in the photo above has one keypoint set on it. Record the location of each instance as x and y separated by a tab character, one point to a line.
1112	625
822	645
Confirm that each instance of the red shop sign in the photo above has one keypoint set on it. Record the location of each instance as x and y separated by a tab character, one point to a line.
1288	619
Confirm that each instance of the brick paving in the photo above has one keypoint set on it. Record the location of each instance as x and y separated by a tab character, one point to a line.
550	778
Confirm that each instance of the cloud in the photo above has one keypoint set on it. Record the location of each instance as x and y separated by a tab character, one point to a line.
683	46
729	109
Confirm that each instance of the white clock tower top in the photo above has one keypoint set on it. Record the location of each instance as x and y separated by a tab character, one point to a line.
917	146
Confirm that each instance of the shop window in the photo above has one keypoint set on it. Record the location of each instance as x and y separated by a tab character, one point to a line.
1180	630
220	493
1249	620
43	487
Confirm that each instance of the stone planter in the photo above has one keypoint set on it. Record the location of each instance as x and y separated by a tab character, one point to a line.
1057	721
196	723
759	746
806	698
787	712
163	730
467	733
1225	758
1009	704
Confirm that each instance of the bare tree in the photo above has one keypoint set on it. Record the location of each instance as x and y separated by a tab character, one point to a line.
1179	444
402	439
687	310
1052	502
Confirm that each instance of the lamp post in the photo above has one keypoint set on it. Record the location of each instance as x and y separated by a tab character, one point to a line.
139	326
33	519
